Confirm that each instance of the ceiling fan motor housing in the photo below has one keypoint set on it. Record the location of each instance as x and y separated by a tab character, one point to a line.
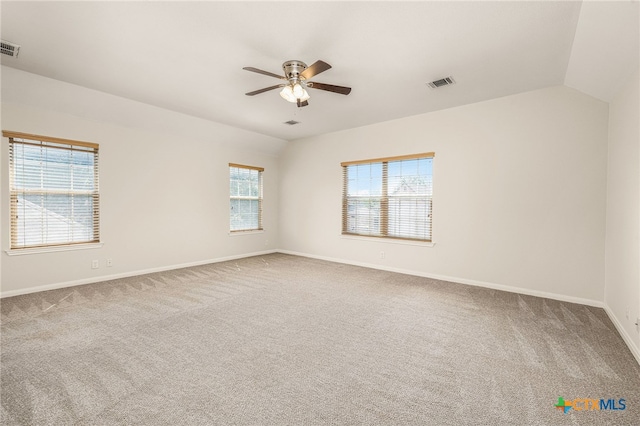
293	69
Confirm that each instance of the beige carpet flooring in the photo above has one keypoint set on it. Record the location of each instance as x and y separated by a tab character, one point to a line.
286	340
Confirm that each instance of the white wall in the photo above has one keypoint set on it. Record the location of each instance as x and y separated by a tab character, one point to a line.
163	183
622	264
519	193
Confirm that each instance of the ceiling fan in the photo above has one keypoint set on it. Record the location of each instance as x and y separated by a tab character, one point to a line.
298	76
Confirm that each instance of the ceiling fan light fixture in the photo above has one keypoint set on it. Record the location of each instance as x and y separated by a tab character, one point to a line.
298	90
287	94
292	93
305	96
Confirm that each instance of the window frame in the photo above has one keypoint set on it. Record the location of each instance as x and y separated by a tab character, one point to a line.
259	198
53	143
383	199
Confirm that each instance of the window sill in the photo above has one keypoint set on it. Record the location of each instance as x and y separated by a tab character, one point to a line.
388	240
248	232
38	250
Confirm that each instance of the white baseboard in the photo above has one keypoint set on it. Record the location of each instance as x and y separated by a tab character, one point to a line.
476	283
92	280
510	289
561	297
625	336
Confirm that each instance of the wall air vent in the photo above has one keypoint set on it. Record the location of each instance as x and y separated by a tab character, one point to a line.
10	49
291	122
447	81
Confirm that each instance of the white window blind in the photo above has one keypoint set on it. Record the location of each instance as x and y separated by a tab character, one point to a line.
388	197
53	191
245	190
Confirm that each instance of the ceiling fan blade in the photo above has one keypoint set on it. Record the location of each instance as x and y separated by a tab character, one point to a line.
252	69
314	69
330	88
266	89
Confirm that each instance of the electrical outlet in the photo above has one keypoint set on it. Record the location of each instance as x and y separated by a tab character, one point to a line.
627	313
95	264
109	263
382	255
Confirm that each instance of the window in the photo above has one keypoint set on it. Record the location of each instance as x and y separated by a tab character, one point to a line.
53	187
388	197
245	190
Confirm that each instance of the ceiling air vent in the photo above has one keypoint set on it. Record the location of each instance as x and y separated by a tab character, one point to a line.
291	122
442	82
10	49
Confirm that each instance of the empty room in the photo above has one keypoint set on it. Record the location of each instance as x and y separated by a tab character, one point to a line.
346	213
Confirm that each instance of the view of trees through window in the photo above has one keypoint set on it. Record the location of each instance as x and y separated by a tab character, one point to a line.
390	198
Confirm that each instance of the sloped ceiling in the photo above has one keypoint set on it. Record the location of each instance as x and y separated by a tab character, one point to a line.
188	56
605	48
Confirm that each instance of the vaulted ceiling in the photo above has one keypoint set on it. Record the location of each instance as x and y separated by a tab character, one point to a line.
188	56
